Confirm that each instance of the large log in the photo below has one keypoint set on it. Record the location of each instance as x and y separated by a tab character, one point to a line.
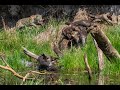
104	44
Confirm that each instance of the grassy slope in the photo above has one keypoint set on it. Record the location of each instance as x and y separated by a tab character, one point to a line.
72	61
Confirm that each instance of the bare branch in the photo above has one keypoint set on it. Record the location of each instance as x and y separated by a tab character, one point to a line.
87	66
36	72
7	67
107	19
11	70
30	53
56	49
100	78
100	64
100	57
25	77
4	61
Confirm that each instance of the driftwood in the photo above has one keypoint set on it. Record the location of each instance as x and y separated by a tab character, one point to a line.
88	67
104	43
100	64
30	54
101	78
100	57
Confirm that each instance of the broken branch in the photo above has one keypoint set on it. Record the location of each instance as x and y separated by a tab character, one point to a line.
100	57
25	77
30	53
7	67
100	64
11	70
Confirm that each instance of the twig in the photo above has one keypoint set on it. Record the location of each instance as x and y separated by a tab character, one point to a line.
25	77
4	60
36	72
87	67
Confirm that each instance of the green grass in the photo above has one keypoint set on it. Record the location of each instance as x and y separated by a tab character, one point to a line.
72	63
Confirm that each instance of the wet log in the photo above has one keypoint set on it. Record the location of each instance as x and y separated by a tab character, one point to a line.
104	44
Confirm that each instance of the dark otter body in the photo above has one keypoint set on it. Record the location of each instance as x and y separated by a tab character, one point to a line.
47	63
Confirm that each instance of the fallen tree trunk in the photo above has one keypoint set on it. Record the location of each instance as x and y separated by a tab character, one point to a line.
104	44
